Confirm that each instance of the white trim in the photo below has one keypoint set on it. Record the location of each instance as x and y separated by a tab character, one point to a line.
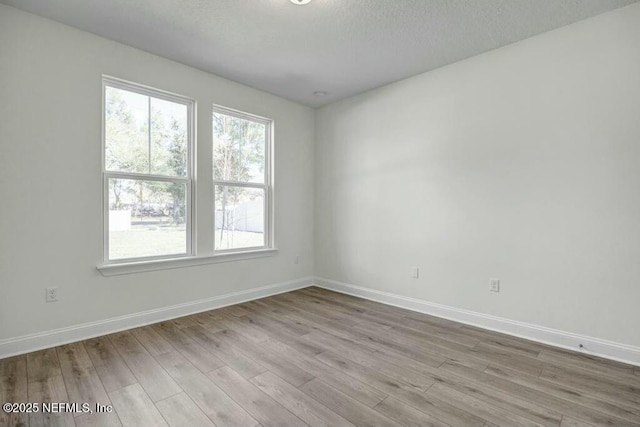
239	114
183	261
142	89
593	346
27	343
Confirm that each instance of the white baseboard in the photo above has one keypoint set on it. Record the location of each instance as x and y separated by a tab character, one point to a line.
27	343
594	346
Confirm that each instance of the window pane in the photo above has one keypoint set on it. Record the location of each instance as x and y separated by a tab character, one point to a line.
139	143
238	149
240	221
126	131
146	218
168	138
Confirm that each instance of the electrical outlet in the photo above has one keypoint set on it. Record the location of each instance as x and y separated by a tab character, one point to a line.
415	272
52	294
296	260
494	285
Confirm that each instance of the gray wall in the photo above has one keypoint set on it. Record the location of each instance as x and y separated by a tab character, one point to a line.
50	179
520	164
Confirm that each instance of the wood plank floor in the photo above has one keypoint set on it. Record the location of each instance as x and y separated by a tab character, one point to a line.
319	358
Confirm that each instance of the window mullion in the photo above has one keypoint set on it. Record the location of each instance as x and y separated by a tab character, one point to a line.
241	184
149	132
145	177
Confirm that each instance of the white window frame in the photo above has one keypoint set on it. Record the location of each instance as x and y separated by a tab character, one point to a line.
187	180
267	186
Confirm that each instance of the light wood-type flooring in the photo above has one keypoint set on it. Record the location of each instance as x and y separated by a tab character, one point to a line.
319	358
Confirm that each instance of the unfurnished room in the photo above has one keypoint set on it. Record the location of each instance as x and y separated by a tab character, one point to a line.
319	213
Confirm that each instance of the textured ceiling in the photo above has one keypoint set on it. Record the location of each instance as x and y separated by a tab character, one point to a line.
342	47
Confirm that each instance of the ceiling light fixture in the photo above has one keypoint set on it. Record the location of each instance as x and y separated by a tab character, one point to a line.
319	93
300	2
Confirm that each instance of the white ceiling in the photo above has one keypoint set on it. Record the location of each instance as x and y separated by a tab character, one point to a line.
342	47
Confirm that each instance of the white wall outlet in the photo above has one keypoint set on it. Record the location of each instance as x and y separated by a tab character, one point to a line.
494	285
52	294
415	272
296	260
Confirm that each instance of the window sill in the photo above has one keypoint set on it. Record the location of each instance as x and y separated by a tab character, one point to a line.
165	264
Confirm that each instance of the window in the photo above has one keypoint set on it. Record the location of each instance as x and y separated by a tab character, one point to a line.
147	173
242	180
149	181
